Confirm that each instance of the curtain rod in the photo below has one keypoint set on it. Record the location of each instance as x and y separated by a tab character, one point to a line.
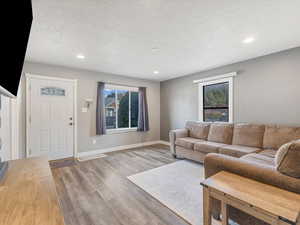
120	84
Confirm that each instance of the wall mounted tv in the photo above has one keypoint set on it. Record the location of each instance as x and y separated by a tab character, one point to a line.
16	31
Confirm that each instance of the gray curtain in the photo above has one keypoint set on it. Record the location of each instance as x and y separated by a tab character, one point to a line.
100	111
143	120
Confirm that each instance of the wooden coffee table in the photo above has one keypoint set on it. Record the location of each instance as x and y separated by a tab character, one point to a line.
265	202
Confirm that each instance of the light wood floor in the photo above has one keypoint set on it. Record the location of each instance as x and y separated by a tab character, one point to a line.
97	192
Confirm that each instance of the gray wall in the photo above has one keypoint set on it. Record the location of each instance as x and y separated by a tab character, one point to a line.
87	83
266	90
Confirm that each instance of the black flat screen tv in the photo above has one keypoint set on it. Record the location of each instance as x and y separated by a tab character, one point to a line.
16	31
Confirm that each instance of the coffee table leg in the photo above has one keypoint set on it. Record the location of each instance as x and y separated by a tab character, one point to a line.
224	213
206	207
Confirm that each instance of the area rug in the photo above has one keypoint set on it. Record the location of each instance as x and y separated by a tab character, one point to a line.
92	157
177	186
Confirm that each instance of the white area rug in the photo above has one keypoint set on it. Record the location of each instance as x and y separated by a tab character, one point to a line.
177	186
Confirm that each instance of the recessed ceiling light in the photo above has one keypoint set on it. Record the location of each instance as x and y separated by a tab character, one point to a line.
248	40
80	56
156	72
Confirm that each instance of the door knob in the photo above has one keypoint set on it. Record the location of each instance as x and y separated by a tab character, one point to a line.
70	124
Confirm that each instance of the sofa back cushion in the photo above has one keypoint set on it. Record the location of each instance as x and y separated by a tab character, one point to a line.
287	159
275	136
221	133
251	135
198	129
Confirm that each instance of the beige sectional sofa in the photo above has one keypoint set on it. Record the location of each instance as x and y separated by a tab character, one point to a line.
245	149
257	142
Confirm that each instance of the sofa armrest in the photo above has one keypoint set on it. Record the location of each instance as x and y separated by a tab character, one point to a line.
215	163
173	134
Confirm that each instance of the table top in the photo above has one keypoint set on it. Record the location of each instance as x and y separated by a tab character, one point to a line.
28	194
266	197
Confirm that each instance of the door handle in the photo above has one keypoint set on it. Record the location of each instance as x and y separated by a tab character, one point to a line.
71	124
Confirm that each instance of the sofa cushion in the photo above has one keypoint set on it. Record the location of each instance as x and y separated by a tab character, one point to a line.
248	135
221	133
187	142
198	129
260	159
265	157
269	152
208	147
287	160
275	136
238	150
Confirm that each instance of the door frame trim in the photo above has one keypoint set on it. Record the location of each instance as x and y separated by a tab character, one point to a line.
30	76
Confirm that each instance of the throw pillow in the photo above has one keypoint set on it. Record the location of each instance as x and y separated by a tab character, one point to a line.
287	159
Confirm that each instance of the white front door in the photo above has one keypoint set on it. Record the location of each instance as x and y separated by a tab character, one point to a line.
50	118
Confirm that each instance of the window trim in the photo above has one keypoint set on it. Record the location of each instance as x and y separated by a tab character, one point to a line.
230	96
121	130
121	87
130	90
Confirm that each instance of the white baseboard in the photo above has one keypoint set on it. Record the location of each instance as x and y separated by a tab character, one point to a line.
119	148
164	143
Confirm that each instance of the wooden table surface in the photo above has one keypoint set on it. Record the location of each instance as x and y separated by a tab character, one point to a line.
28	194
266	197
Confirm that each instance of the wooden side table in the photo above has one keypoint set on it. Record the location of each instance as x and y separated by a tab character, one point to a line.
265	202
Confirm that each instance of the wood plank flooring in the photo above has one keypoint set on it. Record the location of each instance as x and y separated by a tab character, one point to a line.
97	192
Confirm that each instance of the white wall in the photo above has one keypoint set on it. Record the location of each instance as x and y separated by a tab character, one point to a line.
87	84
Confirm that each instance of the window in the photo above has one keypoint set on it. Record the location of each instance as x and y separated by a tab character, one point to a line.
215	102
54	91
216	98
121	107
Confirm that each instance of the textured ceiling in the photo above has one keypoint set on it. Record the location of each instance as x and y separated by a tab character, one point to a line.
175	37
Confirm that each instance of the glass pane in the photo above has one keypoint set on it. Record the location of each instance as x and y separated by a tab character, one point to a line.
123	108
216	115
216	95
54	91
110	108
134	108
